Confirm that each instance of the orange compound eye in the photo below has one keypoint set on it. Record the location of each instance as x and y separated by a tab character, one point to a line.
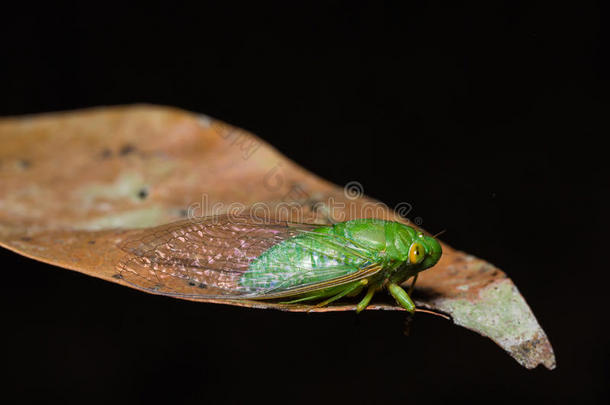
416	253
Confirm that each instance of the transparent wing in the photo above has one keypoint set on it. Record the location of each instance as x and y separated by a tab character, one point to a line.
207	257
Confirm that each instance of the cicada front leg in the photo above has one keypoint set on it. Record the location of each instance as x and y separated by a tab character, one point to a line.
401	297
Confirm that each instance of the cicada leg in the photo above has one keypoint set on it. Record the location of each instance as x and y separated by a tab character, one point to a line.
413	284
367	298
348	289
356	291
306	298
401	297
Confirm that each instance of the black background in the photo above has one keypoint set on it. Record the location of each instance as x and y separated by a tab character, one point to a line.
488	118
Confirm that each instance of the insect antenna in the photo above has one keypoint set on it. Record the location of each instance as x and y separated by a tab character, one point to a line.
439	233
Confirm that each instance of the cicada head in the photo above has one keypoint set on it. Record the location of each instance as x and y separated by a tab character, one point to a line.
416	250
433	252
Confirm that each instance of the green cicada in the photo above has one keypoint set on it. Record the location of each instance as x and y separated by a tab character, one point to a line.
240	257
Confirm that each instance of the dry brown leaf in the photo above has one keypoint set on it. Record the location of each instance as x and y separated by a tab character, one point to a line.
74	185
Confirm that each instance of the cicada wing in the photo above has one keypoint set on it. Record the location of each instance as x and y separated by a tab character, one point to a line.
206	257
200	256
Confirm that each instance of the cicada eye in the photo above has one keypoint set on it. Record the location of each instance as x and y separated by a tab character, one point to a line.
416	253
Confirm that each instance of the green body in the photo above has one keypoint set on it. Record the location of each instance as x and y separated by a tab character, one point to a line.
330	252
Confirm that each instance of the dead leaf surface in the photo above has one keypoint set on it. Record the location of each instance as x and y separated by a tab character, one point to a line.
74	185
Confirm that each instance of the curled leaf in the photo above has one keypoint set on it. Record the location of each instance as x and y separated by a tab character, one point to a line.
74	186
